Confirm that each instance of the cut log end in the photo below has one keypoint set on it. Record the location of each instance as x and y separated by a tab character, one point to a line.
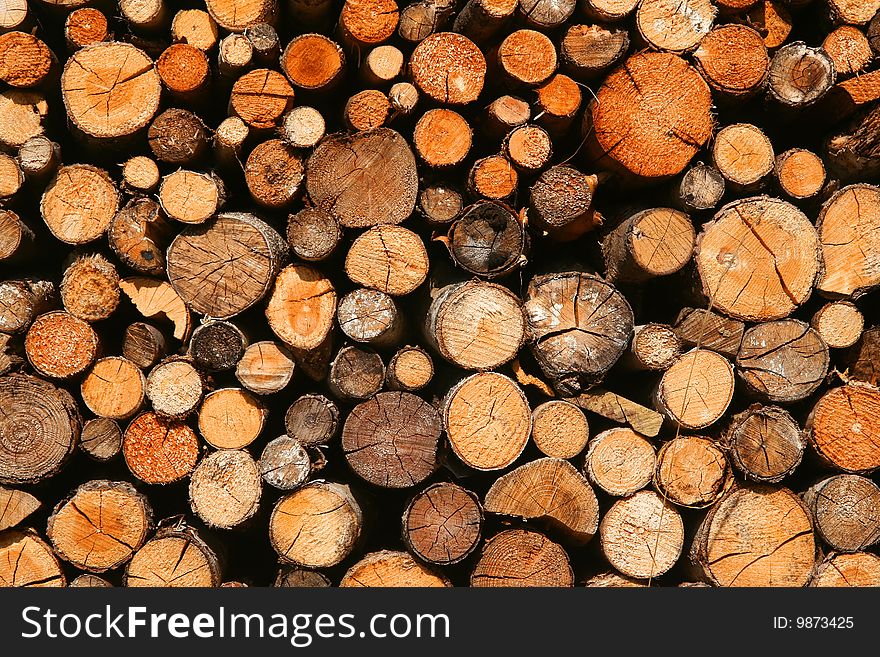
443	524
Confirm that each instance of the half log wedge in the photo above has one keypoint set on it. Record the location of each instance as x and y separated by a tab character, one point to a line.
552	492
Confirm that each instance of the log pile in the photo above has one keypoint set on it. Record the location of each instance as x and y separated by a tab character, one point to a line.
441	292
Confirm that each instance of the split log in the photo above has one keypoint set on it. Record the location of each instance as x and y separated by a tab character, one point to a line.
100	526
784	361
449	68
697	327
265	368
475	325
175	557
368	22
559	429
138	235
609	10
38	158
422	18
261	97
313	234
159	451
195	27
175	387
620	462
178	136
654	242
743	154
854	13
619	409
550	491
284	463
191	197
26	560
648	125
235	56
89	581
673	26
800	75
849	49
526	58
391	569
79	203
504	114
847	227
442	138
90	288
580	325
800	173
25	61
143	344
642	536
231	418
301	307
60	346
300	578
696	391
765	443
18	505
758	259
559	100
839	570
101	438
344	168
16	238
217	346
691	472
356	373
488	240
392	439
11	177
403	97
410	369
113	388
184	71
487	437
493	177
528	147
140	174
135	95
520	557
14	15
481	20
440	204
312	420
843	428
845	511
225	266
588	50
23	113
654	347
370	317
863	359
382	65
225	488
21	302
756	536
734	61
316	526
237	16
313	62
443	524
366	110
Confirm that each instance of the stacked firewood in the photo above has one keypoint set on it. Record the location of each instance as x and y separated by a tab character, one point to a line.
487	292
